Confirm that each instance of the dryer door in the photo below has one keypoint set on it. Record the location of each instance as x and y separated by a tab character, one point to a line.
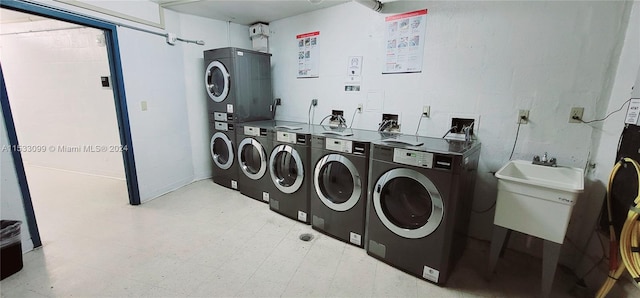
221	150
285	166
252	158
216	80
408	203
337	182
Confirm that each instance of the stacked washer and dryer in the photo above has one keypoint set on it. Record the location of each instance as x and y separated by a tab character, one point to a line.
405	199
238	86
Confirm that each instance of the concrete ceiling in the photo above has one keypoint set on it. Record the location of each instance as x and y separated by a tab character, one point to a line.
246	12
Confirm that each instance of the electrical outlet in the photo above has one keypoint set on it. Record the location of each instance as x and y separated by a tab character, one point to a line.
523	116
426	111
576	115
359	108
314	102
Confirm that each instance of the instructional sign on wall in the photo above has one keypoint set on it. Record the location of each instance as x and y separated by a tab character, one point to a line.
308	54
404	42
633	112
354	74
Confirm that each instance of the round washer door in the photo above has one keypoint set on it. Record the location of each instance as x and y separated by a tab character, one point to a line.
252	158
221	150
285	166
408	203
337	182
216	81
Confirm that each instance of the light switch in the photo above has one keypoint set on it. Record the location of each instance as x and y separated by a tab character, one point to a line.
143	105
104	81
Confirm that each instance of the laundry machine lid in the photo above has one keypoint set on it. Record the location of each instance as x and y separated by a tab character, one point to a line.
216	81
252	158
408	203
221	150
337	182
286	168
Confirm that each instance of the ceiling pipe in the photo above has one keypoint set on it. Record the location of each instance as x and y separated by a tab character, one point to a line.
372	4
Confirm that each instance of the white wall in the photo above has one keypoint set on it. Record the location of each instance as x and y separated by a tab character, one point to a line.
53	80
11	206
154	73
483	58
216	34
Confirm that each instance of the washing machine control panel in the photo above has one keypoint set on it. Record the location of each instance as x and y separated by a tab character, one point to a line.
338	145
251	131
218	116
223	126
291	137
413	158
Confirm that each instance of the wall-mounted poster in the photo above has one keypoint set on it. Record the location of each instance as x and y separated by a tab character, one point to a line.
308	54
404	42
354	74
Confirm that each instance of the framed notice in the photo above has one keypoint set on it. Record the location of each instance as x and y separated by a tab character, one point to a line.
308	54
404	42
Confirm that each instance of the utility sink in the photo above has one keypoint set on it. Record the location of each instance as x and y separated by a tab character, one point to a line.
537	200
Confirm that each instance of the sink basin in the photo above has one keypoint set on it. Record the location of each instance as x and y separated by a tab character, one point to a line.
560	178
537	200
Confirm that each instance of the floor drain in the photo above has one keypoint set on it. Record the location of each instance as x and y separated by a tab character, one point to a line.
306	237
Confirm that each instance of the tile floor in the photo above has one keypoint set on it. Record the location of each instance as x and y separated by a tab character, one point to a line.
204	240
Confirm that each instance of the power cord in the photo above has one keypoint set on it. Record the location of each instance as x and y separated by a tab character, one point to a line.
485	210
605	118
342	121
353	117
276	103
314	102
452	129
516	140
419	121
384	124
510	156
325	118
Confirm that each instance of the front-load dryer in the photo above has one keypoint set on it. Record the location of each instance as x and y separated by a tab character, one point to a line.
421	192
290	171
255	142
338	197
222	148
238	85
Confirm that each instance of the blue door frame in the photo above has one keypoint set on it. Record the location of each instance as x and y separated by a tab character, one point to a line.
113	52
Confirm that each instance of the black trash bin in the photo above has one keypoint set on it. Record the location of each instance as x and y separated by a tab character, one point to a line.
10	248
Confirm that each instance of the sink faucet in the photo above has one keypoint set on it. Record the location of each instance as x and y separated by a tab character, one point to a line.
544	161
